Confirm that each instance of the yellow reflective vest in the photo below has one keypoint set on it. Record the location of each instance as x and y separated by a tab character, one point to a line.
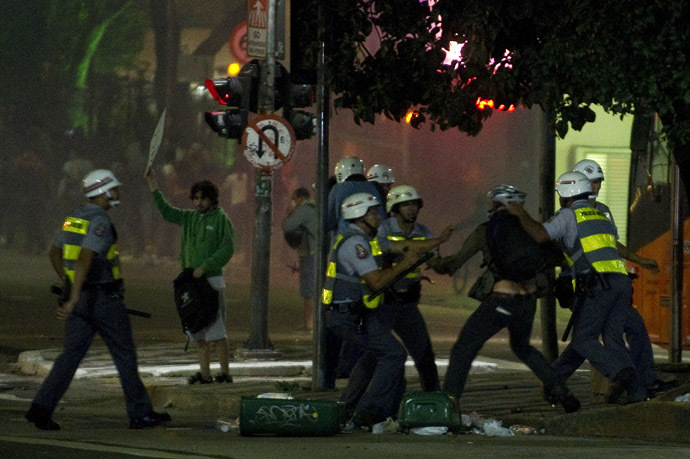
340	286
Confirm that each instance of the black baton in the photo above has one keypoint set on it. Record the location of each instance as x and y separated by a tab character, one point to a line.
134	312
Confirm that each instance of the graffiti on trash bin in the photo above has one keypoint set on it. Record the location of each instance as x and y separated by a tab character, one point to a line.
286	415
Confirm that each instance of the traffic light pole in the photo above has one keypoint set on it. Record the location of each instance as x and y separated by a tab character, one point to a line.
322	242
259	346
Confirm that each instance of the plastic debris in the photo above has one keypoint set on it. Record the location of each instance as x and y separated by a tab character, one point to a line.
430	430
683	398
386	427
224	426
276	395
524	430
494	428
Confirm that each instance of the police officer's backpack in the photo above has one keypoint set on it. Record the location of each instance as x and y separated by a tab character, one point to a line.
196	301
515	255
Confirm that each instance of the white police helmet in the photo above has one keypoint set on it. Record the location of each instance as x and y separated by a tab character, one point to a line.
380	173
349	165
402	193
572	184
590	168
98	182
357	205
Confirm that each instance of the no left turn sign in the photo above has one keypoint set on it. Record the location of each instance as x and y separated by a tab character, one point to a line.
268	142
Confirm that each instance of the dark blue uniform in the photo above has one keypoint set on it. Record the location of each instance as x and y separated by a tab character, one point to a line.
372	395
401	306
100	310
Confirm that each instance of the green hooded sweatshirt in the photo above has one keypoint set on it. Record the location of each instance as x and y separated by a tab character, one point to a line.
208	240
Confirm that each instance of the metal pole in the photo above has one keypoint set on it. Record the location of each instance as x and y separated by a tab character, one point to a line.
546	205
321	252
675	341
261	258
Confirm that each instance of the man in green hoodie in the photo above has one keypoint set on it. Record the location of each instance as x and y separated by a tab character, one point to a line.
207	245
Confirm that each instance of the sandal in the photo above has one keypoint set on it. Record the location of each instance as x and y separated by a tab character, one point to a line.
222	377
200	379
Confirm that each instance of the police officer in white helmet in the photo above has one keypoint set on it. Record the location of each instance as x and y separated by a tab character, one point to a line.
85	257
382	176
604	289
354	272
349	174
634	327
402	299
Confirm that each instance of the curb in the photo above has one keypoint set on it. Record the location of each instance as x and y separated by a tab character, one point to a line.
36	363
651	420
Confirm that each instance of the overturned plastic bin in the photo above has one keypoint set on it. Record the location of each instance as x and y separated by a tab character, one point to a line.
429	409
294	417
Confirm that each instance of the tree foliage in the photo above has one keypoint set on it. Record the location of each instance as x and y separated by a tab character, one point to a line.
56	51
385	56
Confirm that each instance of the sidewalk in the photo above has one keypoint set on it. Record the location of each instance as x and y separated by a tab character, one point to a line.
502	390
170	360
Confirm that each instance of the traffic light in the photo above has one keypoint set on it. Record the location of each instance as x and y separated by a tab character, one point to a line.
240	94
228	123
303	122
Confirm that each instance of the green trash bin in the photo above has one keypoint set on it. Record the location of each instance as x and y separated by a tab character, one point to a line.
291	417
429	409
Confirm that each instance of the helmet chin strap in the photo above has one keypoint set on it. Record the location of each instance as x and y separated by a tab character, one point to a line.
372	230
113	202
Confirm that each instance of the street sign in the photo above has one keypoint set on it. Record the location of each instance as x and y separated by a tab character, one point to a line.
257	28
268	142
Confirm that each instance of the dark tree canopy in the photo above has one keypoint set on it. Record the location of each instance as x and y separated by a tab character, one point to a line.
385	56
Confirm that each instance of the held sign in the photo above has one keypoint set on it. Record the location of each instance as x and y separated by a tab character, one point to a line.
268	142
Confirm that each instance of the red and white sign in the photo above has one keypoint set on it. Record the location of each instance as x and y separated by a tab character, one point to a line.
257	27
268	142
238	43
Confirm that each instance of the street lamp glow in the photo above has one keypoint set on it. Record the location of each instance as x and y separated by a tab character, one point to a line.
234	68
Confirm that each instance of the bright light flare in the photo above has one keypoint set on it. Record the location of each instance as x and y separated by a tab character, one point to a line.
234	68
483	104
453	54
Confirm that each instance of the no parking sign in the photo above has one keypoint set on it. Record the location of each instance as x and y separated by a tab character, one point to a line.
268	142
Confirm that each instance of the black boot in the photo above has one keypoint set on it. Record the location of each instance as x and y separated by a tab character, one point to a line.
41	418
152	419
659	386
626	380
559	395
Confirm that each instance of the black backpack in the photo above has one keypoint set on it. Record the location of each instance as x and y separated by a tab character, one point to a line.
196	301
515	255
294	237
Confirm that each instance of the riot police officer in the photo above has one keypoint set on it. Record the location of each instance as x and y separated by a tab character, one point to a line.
85	253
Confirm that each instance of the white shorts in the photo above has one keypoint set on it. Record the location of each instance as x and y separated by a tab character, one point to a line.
217	329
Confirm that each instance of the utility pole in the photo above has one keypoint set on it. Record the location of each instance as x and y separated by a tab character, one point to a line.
675	348
259	346
322	241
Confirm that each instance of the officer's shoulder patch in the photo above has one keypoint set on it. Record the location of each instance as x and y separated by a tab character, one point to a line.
100	230
361	251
